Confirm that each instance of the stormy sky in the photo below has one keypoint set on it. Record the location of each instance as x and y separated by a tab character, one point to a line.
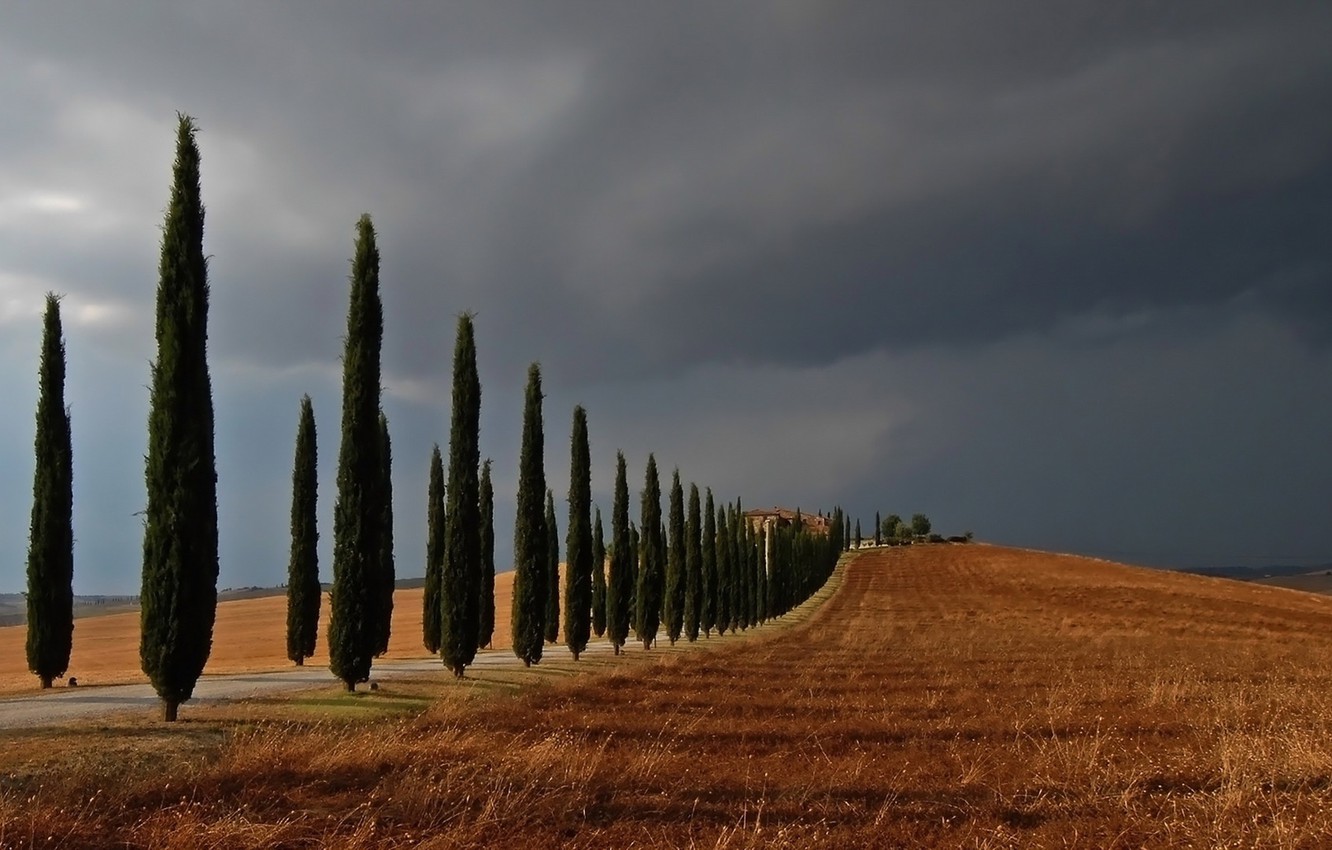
1056	273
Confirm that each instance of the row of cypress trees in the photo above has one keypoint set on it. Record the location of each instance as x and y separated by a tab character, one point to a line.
693	572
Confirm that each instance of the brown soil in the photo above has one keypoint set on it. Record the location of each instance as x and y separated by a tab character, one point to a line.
946	696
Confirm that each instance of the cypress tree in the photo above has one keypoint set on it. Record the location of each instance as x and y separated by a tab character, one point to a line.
736	585
651	578
552	617
673	606
386	576
436	515
51	534
693	566
487	505
303	588
857	533
461	581
178	600
635	564
580	552
723	546
878	534
620	573
529	532
707	619
762	584
598	577
358	514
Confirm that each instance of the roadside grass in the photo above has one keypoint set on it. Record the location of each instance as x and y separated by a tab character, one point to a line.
946	696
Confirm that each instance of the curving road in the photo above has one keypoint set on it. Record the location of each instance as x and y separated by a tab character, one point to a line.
62	705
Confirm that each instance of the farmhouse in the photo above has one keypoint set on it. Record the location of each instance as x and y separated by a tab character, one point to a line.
770	518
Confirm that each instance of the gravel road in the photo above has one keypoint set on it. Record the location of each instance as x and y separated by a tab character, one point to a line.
61	705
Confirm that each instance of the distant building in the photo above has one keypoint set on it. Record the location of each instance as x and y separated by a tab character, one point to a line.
770	518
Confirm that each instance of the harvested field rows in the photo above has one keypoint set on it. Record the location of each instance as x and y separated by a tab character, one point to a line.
946	696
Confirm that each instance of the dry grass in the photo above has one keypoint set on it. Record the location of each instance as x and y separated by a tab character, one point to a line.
946	696
250	635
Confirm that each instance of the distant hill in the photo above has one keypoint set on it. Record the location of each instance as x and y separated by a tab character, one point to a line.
1306	578
14	607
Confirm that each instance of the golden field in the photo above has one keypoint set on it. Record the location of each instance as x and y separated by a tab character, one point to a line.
942	696
249	635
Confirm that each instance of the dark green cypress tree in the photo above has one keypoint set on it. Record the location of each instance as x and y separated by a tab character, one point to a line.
303	588
598	577
651	570
878	533
552	618
51	534
693	566
486	633
580	552
386	577
436	518
737	580
178	600
723	544
857	533
530	550
762	584
673	606
461	580
358	514
635	564
707	619
620	575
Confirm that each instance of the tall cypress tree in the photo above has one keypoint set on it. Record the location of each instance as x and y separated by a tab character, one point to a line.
487	503
723	570
387	575
878	529
358	514
737	583
51	534
552	617
579	547
436	514
651	570
673	605
707	619
529	532
598	577
461	579
857	533
620	573
693	566
178	600
303	588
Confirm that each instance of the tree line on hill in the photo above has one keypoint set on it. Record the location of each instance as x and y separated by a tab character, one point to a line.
702	568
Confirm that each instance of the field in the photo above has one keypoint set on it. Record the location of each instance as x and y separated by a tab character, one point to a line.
250	634
943	696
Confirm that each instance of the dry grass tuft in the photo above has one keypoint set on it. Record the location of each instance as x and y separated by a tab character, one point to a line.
947	696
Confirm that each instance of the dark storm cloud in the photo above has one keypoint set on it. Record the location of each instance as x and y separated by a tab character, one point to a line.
728	229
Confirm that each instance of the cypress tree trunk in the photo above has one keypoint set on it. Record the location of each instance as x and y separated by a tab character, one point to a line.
460	590
486	631
387	574
651	578
51	534
436	517
620	575
178	599
552	616
598	577
530	550
579	548
303	588
358	514
707	618
693	567
674	600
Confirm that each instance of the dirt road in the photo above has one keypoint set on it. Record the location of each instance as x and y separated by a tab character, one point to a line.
62	705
